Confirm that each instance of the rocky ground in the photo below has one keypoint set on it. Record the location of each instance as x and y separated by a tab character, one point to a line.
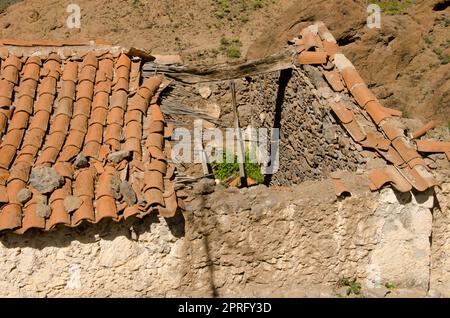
406	62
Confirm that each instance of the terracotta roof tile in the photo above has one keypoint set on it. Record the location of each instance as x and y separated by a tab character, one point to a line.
334	80
65	108
362	94
434	146
312	58
376	141
380	177
423	130
170	201
349	121
310	39
351	77
418	177
410	168
376	111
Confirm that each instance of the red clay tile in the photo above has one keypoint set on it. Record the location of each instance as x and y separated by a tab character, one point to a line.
345	115
155	140
102	42
392	156
376	142
156	153
133	144
362	95
133	115
156	113
170	201
130	211
3	194
429	145
30	217
65	169
391	130
310	40
84	184
332	49
133	130
106	208
10	217
418	177
70	72
380	177
334	80
376	111
59	214
84	213
311	58
168	131
153	179
157	165
351	77
403	148
154	197
423	130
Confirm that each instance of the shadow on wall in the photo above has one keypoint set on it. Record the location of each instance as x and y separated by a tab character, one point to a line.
87	233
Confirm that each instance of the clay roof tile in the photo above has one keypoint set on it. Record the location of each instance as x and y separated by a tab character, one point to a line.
423	130
380	177
312	58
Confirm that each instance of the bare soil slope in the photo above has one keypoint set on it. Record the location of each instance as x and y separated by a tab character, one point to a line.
407	62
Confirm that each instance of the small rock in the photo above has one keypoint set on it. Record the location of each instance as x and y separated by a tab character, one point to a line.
128	194
24	195
43	210
45	179
81	162
204	186
195	205
115	187
72	203
205	92
118	156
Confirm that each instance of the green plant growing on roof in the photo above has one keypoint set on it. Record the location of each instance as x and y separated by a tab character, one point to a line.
225	170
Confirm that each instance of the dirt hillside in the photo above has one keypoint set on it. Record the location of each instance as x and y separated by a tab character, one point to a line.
406	62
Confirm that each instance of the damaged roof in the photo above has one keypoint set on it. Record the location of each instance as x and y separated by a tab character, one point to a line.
82	139
405	168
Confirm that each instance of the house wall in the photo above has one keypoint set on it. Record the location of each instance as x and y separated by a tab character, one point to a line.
296	241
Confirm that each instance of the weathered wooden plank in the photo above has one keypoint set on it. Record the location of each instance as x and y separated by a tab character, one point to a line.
191	75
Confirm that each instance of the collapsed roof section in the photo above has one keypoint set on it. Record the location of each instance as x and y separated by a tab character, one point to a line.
81	138
380	129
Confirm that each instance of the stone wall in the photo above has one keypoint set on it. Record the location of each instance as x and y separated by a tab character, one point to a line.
312	142
296	241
